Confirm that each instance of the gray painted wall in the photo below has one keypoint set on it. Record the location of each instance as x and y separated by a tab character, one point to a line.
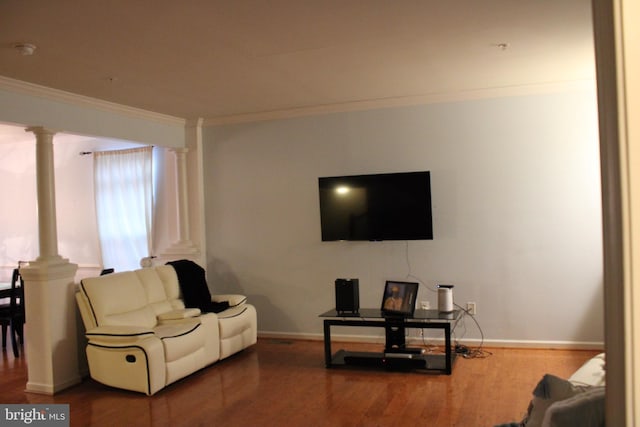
516	198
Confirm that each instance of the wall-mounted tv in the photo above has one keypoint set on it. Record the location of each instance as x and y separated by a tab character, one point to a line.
390	206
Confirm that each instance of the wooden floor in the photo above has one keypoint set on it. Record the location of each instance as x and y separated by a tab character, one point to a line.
285	383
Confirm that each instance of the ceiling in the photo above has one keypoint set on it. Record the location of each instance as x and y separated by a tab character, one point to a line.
220	59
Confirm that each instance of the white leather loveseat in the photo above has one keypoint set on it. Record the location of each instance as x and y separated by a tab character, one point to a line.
142	338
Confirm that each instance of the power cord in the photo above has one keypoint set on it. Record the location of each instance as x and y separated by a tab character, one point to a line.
409	273
467	352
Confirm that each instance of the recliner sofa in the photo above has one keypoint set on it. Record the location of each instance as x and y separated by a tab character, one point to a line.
142	338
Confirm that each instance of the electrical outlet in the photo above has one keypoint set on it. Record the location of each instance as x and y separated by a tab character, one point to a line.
471	308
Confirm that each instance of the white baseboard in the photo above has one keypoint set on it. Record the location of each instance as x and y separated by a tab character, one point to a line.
51	389
379	339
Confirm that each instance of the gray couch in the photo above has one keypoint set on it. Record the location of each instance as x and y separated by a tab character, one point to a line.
577	401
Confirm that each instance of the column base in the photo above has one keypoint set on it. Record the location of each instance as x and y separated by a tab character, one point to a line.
181	247
51	339
180	250
49	389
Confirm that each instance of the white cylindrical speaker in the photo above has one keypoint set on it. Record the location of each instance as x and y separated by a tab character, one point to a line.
445	298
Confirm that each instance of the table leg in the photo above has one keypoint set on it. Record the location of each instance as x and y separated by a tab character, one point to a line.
394	336
327	344
447	343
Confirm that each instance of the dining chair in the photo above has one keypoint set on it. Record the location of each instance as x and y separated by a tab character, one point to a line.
12	315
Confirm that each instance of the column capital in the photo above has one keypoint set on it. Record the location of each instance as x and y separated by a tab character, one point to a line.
180	150
41	130
194	123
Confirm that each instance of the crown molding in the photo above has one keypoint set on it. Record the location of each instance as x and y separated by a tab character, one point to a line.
57	95
404	101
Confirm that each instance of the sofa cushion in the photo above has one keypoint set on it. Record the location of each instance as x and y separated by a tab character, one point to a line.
169	278
118	299
155	290
144	316
126	332
180	339
232	322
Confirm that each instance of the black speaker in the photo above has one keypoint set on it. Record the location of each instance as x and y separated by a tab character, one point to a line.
347	296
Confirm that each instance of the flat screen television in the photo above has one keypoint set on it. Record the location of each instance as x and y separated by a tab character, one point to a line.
391	206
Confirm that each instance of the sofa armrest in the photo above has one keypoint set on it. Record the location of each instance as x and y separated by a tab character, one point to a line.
234	300
122	335
179	314
582	410
128	357
592	372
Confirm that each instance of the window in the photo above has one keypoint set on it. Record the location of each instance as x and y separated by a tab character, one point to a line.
123	186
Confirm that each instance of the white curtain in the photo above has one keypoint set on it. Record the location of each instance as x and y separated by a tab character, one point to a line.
123	182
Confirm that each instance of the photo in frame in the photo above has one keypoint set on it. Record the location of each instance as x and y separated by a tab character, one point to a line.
399	298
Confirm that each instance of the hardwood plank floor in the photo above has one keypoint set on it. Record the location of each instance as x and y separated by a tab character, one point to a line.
285	383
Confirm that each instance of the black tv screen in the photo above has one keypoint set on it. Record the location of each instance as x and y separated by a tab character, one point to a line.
392	206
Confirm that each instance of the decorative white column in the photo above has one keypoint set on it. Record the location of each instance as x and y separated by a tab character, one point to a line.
47	225
183	246
51	336
183	196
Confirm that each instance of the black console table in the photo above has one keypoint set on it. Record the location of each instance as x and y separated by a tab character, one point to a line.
396	354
